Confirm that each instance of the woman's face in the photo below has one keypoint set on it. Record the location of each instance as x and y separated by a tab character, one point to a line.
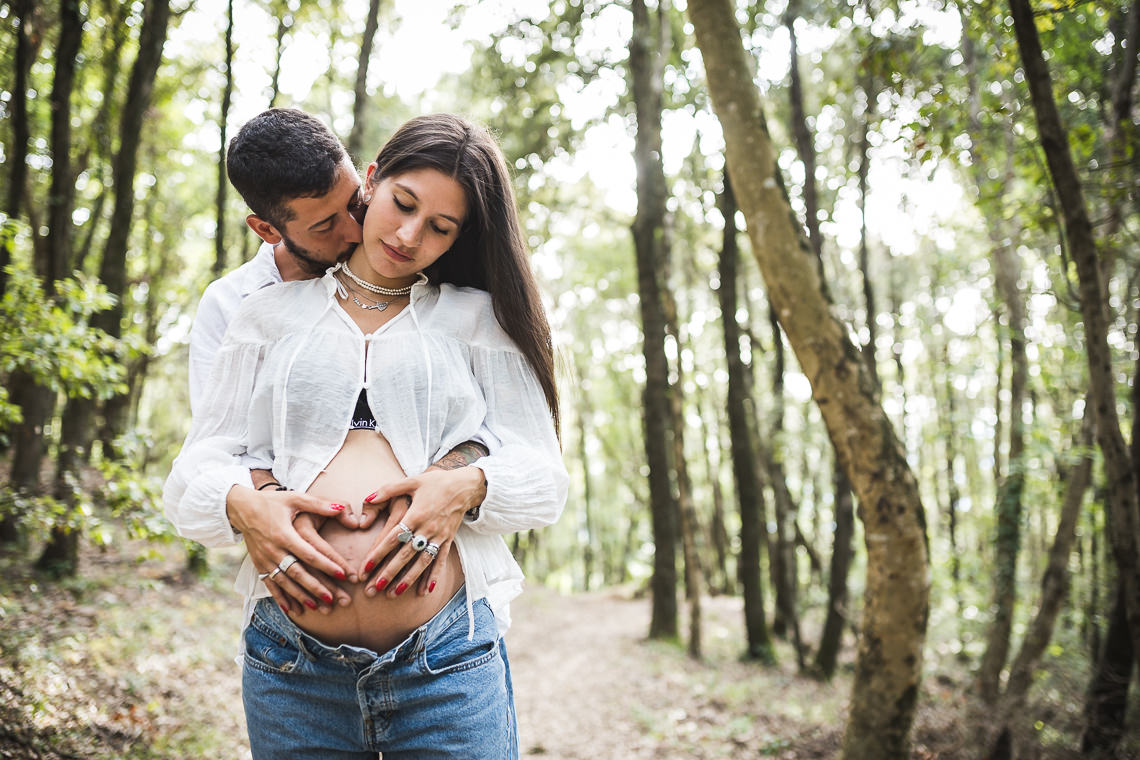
412	219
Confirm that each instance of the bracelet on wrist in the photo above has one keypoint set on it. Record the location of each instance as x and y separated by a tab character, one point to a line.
263	486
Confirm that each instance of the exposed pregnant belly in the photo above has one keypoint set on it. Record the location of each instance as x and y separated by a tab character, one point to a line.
380	622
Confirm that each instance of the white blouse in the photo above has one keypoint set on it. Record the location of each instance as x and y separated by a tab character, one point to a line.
284	386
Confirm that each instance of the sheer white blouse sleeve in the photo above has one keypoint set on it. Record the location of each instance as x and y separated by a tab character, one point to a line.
213	458
527	481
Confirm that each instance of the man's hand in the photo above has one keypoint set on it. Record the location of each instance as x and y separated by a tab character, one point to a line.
438	500
266	521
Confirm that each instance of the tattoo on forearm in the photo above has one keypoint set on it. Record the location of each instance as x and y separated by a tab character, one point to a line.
462	455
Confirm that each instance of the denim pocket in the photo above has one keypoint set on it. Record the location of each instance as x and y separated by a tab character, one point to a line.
268	650
452	652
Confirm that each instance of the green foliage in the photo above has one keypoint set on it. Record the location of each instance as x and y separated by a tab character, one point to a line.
50	337
134	497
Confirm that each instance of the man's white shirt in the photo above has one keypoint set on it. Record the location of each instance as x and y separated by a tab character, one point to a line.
219	303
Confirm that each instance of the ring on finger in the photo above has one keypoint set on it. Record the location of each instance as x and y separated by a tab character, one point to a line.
286	562
419	543
432	549
263	576
405	535
275	573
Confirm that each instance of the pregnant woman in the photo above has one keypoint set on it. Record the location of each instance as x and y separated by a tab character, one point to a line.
431	334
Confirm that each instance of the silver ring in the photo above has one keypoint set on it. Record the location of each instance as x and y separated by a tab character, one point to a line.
275	572
432	549
405	534
419	543
286	562
262	576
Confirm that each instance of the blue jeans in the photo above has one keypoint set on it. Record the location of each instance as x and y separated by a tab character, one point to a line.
436	695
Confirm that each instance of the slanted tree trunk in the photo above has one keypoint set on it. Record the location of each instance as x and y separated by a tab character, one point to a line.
360	90
648	238
223	117
1123	504
896	602
749	494
1054	590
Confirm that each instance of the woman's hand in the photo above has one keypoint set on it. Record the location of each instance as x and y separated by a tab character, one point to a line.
266	521
438	500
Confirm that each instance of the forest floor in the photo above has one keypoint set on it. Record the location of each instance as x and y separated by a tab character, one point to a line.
135	660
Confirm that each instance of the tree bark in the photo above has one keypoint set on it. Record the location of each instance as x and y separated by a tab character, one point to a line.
1054	590
1124	508
896	601
1107	702
842	552
360	101
648	239
223	117
749	494
21	130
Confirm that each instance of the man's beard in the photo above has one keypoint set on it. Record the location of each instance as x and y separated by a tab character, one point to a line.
310	263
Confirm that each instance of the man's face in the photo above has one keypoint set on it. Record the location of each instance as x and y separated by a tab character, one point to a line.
325	229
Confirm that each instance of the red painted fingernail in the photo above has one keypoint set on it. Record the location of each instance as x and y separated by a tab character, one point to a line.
310	604
284	608
340	575
327	598
400	588
337	507
368	566
371	496
380	584
431	587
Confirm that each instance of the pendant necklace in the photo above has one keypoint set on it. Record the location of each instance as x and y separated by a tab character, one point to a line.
374	306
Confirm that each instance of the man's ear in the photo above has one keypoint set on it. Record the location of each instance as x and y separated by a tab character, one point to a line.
263	229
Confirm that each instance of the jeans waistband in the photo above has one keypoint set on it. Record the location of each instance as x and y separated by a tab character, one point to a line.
267	615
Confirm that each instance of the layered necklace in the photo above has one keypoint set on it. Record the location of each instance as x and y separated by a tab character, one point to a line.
392	293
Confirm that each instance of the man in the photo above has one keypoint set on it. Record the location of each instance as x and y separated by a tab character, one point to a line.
304	196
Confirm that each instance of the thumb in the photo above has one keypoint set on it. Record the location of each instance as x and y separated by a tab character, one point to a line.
388	490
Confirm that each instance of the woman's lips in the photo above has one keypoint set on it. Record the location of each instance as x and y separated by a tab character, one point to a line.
396	254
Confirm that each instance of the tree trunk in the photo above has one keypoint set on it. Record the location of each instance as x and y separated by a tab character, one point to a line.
21	131
1124	508
842	552
223	117
648	239
866	83
896	601
1107	702
719	579
61	552
1008	506
1054	590
749	495
37	402
360	100
953	492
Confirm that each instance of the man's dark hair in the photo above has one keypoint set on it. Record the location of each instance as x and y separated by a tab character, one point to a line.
279	155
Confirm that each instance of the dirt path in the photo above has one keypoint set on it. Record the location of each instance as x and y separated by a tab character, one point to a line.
588	686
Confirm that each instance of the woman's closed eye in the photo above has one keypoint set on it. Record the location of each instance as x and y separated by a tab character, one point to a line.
407	209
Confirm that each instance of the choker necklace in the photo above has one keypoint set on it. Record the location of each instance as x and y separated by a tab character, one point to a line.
378	289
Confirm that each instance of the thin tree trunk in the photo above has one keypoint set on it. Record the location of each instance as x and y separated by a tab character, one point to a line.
360	91
870	347
223	117
648	237
1124	508
1054	590
953	492
749	494
21	130
842	552
1107	702
284	23
896	602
